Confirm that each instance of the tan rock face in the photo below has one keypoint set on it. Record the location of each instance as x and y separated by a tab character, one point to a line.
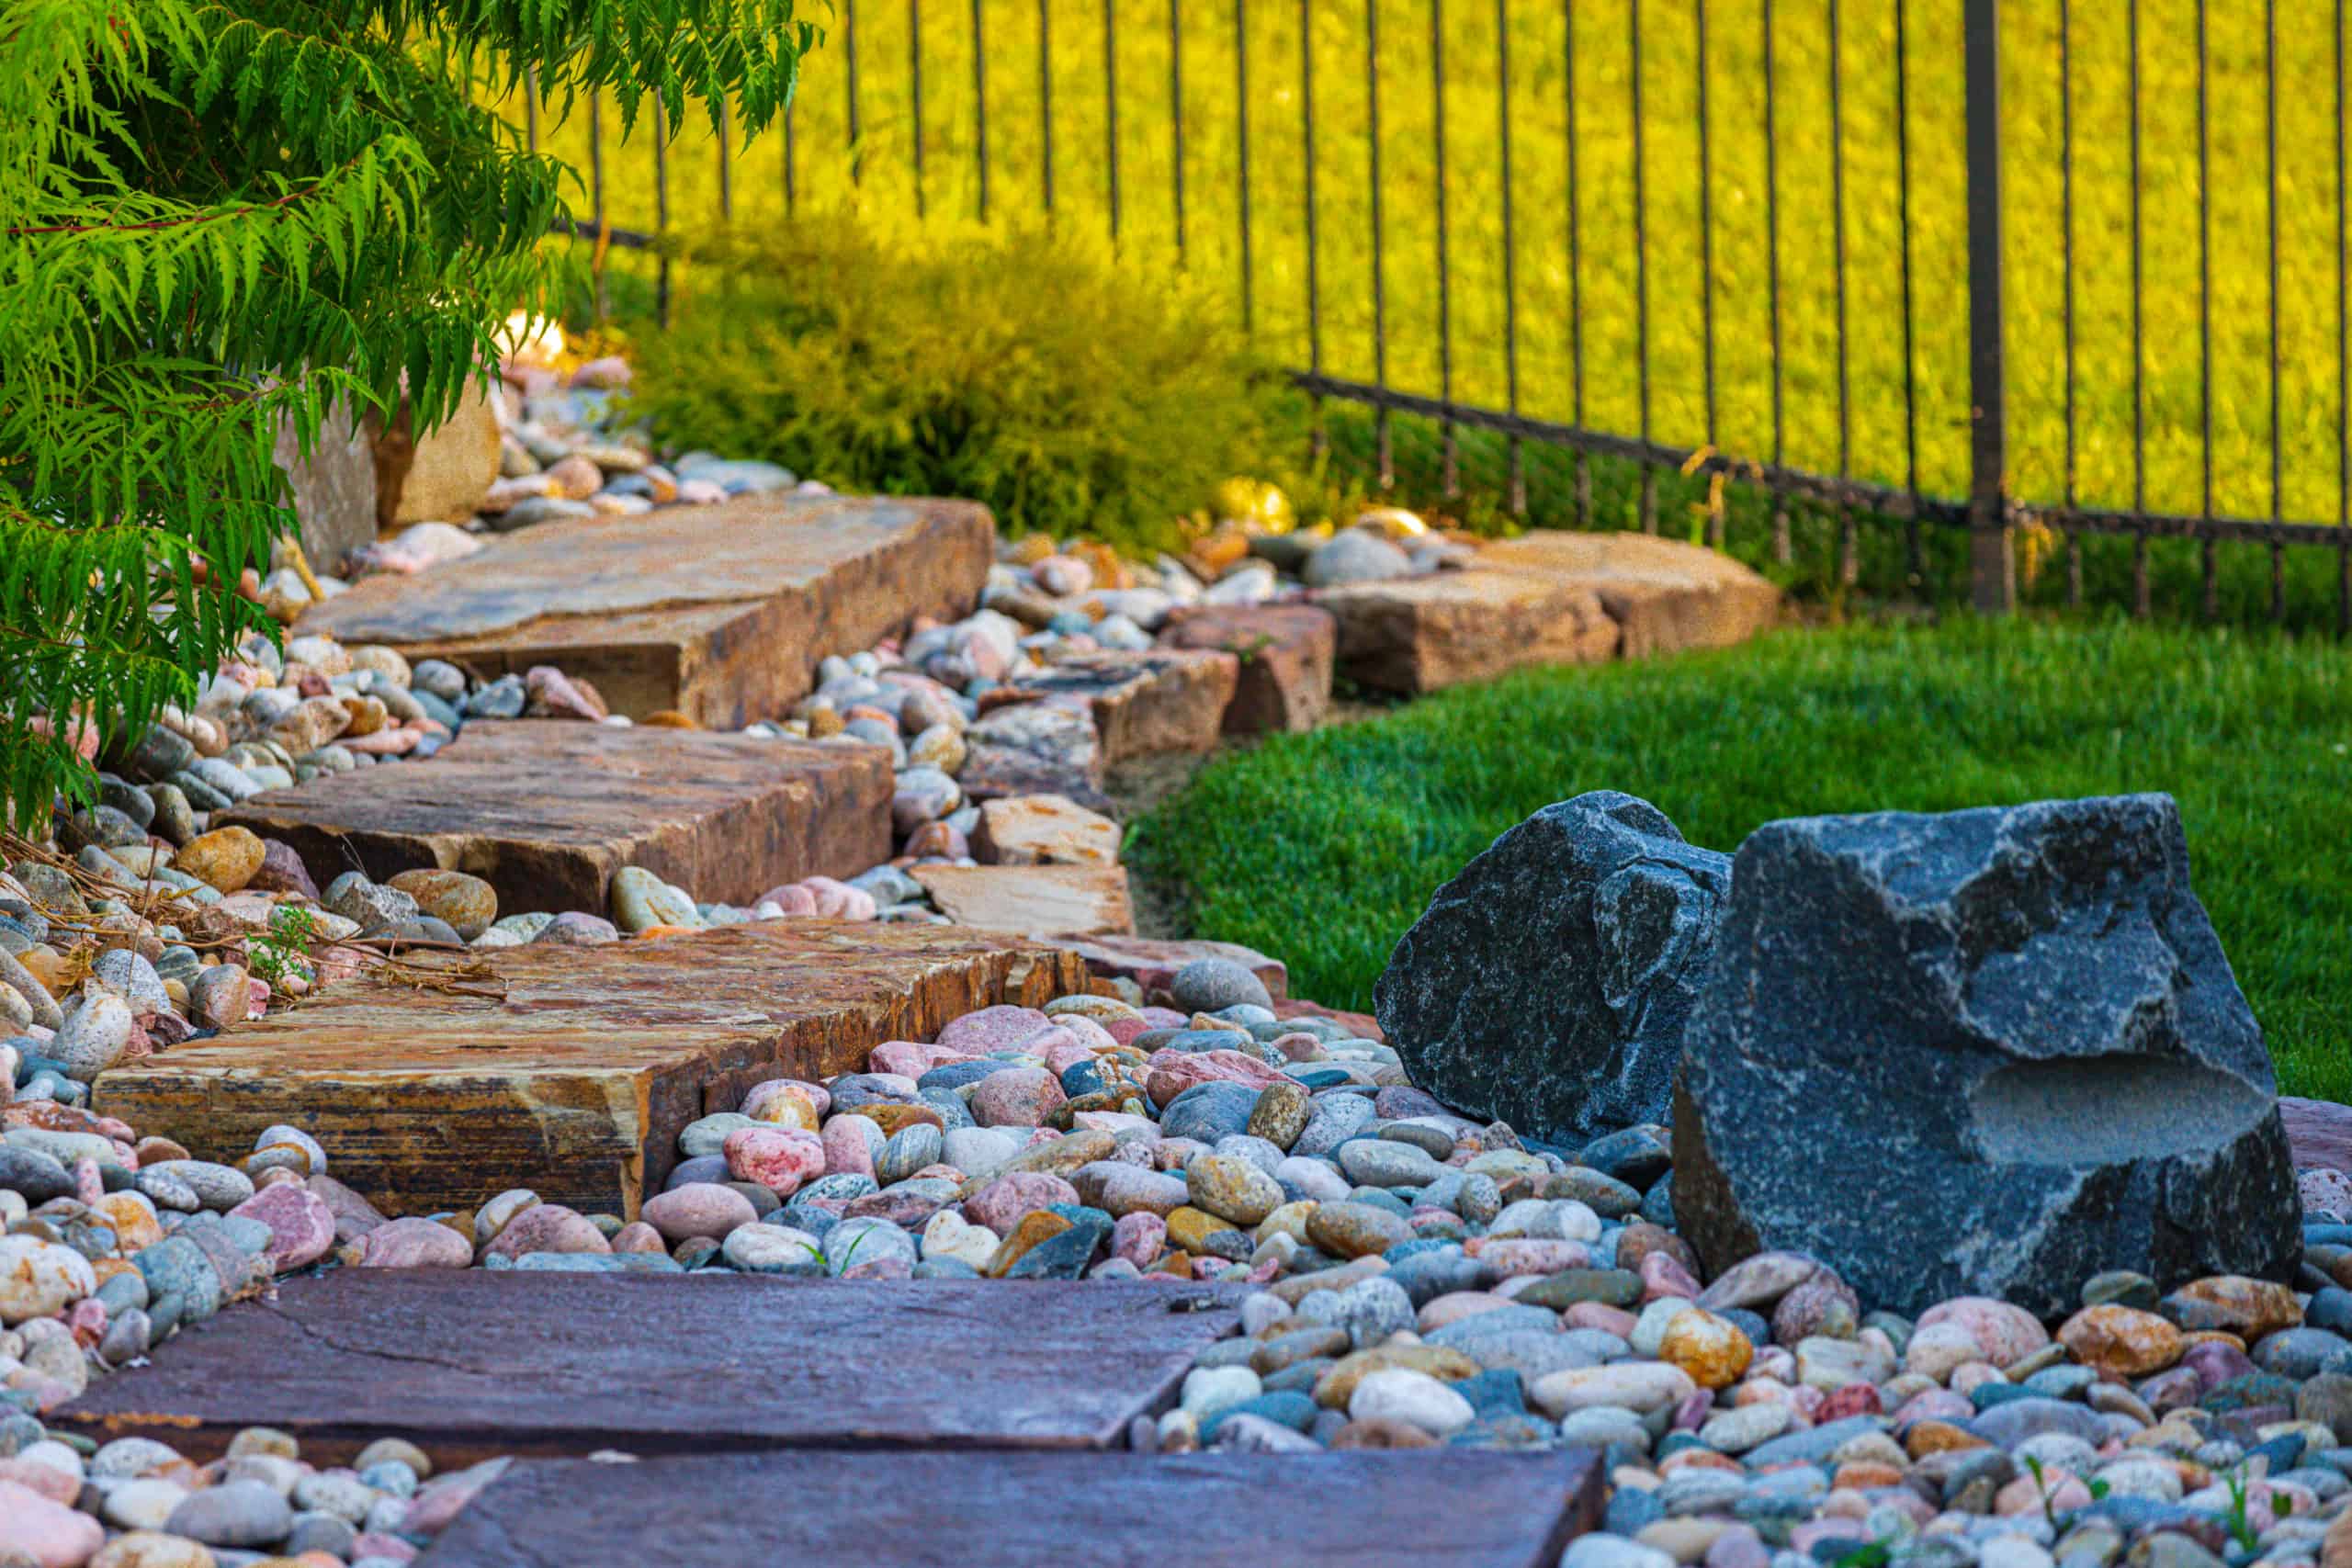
2121	1341
685	610
2237	1304
1044	829
1285	654
225	858
1144	704
467	903
576	1084
1712	1349
442	477
545	813
1548	598
1081	899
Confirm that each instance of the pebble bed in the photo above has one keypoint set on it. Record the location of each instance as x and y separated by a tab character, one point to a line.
1424	1281
1420	1280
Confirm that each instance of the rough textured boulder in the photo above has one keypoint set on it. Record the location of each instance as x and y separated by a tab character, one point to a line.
334	487
1547	984
1992	1053
442	476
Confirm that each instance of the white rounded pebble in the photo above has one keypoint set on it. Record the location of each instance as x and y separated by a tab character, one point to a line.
1597	1550
1399	1394
1208	1390
143	1503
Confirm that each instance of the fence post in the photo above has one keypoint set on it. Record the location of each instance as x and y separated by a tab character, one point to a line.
1992	564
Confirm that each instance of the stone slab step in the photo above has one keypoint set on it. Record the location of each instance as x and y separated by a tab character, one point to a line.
719	612
569	1070
546	810
1169	699
1017	1510
468	1364
1285	653
1031	898
1546	598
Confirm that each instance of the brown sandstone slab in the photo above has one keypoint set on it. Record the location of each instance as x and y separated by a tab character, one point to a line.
719	612
1044	829
1548	598
1286	652
1435	1509
2319	1133
1664	595
1165	700
468	1364
569	1070
545	811
1031	898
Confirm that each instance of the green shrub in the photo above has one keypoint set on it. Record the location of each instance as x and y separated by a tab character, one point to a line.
1018	369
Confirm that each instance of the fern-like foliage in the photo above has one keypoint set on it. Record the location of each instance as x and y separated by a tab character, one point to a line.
218	216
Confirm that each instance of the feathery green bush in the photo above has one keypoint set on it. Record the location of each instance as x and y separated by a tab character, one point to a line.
219	216
1015	368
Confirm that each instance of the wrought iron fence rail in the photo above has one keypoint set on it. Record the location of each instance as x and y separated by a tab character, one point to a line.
1988	511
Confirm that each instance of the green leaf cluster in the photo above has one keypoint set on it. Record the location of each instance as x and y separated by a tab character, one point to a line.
1017	367
217	217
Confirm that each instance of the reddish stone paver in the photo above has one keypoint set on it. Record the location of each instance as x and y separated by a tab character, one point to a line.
471	1363
547	811
569	1070
720	612
1016	1510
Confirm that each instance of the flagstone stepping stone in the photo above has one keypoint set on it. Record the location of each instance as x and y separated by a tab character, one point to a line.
1166	700
470	1363
571	1070
720	612
1013	1510
1285	653
1546	598
547	811
1076	898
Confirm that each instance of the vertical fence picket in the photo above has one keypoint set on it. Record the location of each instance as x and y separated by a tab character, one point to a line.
1849	564
2066	261
1046	105
1516	457
1706	249
1451	481
914	99
1783	545
1383	437
1575	274
1242	159
1641	266
2209	589
1991	566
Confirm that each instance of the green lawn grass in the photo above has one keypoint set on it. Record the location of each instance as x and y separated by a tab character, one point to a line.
1322	848
1464	48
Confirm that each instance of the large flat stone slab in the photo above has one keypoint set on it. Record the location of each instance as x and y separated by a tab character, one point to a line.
569	1070
1031	898
1017	1510
1546	598
719	612
1169	699
547	810
467	1364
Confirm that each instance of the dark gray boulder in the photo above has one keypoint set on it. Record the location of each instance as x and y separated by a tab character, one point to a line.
1992	1051
1547	984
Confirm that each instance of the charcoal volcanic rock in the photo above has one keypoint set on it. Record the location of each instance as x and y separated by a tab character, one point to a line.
1991	1052
1546	984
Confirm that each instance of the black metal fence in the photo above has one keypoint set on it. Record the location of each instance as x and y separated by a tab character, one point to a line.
1921	264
